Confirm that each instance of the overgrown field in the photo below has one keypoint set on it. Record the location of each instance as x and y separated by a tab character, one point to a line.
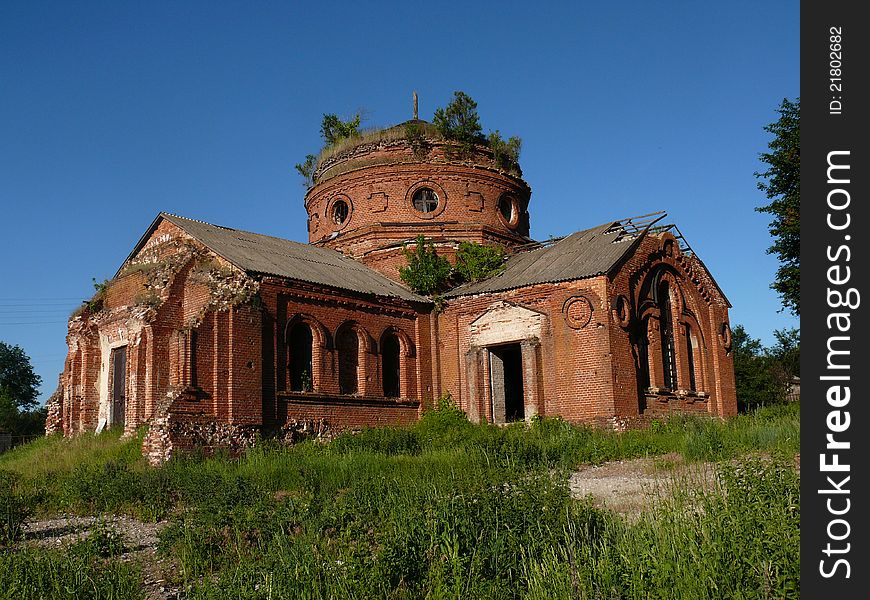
443	509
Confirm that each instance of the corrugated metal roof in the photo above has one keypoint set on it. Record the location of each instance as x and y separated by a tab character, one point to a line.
266	255
580	255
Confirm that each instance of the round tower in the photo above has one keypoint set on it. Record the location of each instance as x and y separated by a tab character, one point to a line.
383	189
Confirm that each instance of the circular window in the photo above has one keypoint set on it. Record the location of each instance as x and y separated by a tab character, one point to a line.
509	209
340	211
425	200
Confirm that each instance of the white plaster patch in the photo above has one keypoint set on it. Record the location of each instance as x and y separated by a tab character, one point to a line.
504	322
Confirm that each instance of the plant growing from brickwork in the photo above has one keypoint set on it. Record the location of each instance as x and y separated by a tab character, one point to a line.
416	136
426	273
101	288
306	169
505	152
333	129
458	122
475	262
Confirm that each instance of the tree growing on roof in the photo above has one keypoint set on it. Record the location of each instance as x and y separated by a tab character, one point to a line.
426	273
475	262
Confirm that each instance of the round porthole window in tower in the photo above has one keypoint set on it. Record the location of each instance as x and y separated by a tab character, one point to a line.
340	211
509	209
425	200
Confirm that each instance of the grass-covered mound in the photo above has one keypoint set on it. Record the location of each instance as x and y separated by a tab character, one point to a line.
443	508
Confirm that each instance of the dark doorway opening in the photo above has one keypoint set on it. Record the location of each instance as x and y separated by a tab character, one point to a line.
119	383
390	362
299	349
347	344
506	380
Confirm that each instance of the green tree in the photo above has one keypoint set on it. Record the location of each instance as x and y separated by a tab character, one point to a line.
787	350
426	273
459	122
781	183
19	386
475	261
756	374
333	129
505	152
307	168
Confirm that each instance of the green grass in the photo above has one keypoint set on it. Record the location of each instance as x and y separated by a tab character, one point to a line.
441	509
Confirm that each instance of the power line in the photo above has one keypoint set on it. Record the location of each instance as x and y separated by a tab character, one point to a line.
25	304
34	323
20	299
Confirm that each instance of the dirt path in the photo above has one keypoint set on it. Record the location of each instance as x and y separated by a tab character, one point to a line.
140	542
630	487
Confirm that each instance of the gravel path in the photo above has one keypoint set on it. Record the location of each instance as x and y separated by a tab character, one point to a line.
140	541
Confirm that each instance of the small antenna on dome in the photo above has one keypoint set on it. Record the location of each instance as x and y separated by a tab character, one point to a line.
415	105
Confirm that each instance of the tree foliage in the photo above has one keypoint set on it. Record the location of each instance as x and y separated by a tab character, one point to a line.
307	168
475	262
781	183
333	129
426	273
19	386
506	152
763	375
459	123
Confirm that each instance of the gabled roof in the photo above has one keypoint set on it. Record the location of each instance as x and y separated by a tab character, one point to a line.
580	255
259	254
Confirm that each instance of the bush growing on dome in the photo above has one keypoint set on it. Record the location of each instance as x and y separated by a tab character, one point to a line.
459	122
505	152
307	168
333	129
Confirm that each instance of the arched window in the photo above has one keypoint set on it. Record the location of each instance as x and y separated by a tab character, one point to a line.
390	364
643	354
347	344
299	351
690	357
669	364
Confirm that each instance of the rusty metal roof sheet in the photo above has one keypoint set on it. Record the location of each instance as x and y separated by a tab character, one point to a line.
266	255
580	255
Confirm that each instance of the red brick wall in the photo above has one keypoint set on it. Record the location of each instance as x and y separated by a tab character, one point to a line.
699	303
326	311
379	189
574	363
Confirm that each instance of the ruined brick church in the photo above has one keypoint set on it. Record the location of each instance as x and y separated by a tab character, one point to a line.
211	335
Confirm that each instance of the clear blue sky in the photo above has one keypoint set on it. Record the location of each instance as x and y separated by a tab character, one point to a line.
113	111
